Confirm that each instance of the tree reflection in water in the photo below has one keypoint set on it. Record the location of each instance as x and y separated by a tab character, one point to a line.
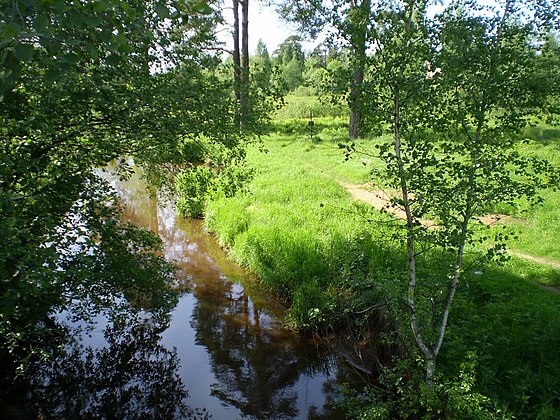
131	376
236	359
262	370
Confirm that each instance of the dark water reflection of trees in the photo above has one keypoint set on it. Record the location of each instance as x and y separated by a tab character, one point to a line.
254	372
131	376
137	362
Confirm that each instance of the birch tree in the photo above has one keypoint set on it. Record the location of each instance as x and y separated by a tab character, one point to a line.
457	92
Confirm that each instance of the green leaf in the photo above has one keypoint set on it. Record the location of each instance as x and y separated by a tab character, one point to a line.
100	6
92	50
202	8
105	35
5	42
92	21
125	48
52	75
23	52
4	74
29	3
70	58
117	41
11	30
42	23
162	10
76	19
112	60
53	47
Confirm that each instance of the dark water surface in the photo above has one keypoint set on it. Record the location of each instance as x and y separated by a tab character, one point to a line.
224	344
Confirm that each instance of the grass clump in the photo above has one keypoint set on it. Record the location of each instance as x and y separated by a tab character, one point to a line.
298	230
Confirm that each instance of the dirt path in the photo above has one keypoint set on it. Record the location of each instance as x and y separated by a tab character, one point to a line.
538	260
381	200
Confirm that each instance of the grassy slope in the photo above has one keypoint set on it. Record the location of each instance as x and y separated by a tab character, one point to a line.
540	226
302	234
298	230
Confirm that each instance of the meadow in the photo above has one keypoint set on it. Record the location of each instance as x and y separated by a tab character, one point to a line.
335	259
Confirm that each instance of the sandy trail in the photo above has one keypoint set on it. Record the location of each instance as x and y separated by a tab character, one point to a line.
381	200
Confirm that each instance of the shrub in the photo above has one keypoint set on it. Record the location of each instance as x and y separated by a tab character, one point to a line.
403	394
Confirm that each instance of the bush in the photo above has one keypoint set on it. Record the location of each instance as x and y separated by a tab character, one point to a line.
404	394
197	184
193	186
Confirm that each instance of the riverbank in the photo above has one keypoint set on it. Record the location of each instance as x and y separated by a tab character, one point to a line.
332	257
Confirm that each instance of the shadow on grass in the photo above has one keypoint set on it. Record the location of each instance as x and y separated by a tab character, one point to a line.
544	135
514	326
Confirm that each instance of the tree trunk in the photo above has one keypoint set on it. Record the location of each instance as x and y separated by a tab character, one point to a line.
360	22
245	59
355	123
430	371
236	59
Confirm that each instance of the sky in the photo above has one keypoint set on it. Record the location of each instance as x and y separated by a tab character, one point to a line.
264	24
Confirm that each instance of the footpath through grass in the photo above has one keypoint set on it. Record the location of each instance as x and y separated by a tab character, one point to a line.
331	257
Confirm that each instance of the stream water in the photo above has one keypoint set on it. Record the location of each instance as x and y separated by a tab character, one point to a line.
224	344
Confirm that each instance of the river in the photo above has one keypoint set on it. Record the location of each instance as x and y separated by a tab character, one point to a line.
224	352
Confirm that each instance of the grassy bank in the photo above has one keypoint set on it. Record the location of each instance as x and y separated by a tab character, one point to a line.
333	258
300	231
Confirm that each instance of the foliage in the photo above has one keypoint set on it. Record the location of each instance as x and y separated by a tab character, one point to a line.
511	323
455	110
261	66
198	184
290	59
296	232
304	106
346	23
83	83
86	261
403	395
193	185
500	312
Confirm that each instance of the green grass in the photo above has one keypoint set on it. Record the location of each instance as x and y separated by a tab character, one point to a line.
514	327
539	227
302	106
304	236
298	229
322	152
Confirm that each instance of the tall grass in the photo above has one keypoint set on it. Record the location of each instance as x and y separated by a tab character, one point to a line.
299	231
